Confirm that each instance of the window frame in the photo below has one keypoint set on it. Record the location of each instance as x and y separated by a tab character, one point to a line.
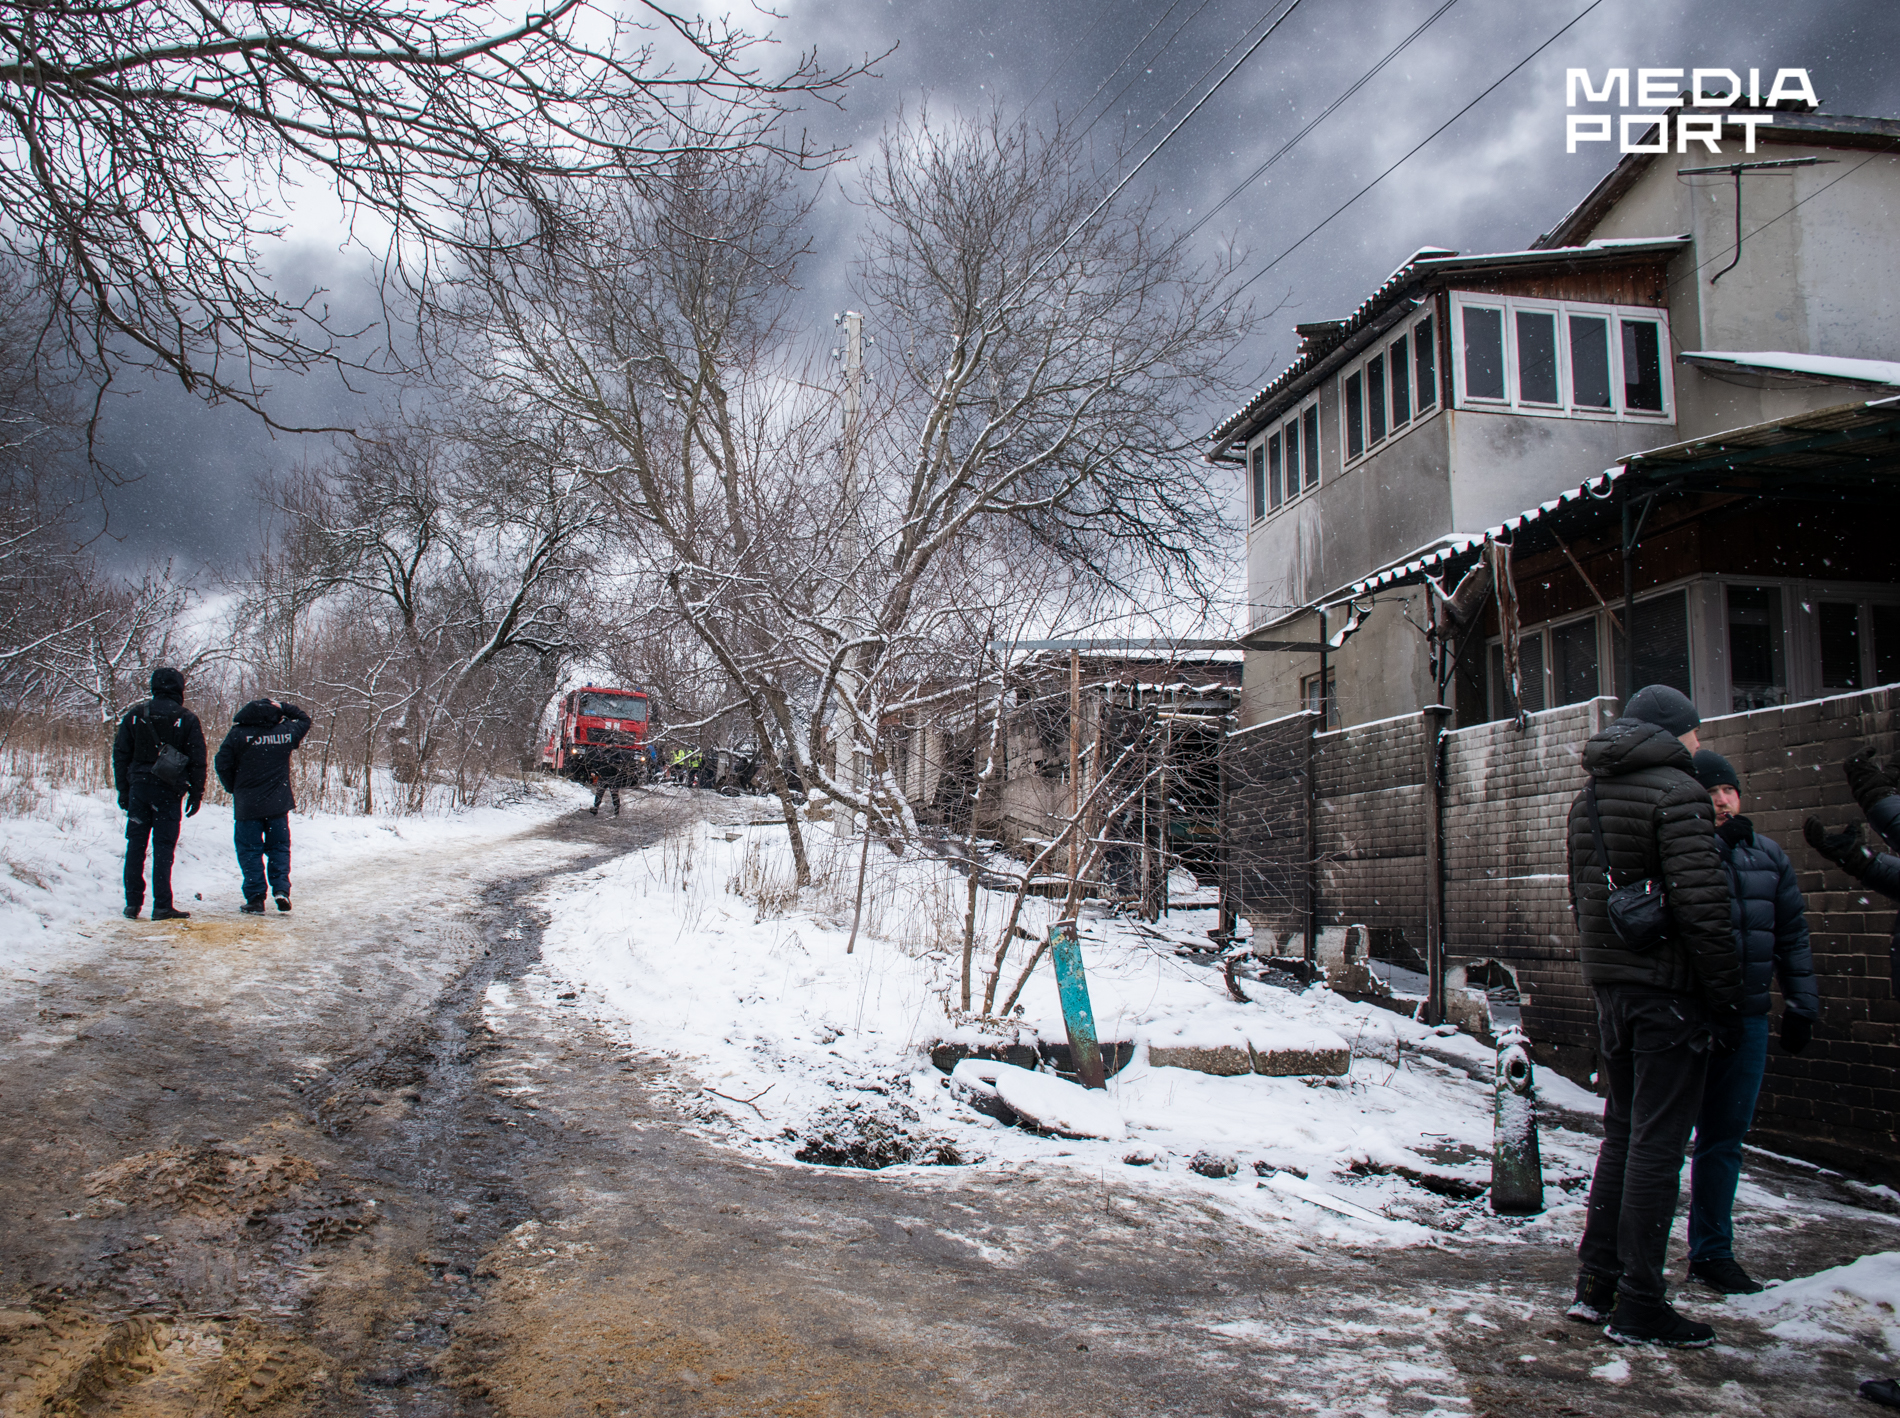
1567	406
1291	477
1379	353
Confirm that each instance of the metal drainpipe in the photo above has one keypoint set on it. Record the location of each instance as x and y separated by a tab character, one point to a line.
1436	718
1629	606
1312	808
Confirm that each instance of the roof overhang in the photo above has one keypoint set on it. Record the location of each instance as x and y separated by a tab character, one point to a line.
1782	369
1847	455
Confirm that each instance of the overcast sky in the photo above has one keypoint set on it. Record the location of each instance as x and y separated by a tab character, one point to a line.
1493	181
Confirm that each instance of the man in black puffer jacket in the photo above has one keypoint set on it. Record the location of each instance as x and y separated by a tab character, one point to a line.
1660	1012
158	764
1771	937
253	763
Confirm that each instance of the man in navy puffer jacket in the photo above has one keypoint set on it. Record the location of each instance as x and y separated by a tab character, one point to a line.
1771	935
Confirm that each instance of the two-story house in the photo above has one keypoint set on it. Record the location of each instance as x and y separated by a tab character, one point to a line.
1467	390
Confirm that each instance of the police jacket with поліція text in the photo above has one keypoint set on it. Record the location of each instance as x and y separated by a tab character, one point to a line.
1658	822
253	762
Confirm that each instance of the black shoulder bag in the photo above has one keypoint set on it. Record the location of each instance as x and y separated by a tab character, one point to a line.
1639	914
168	763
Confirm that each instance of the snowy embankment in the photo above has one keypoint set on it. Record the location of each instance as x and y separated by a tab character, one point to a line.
62	854
795	1047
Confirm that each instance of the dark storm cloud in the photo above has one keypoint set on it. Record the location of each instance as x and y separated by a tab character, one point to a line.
1493	181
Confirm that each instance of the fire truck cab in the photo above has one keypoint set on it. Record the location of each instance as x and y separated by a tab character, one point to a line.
600	730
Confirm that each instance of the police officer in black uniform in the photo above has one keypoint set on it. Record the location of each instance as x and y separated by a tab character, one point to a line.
158	766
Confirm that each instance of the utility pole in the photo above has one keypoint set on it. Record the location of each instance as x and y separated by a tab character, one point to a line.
852	323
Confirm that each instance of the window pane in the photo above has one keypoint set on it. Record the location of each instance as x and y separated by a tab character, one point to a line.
1840	645
1642	366
1530	669
1375	398
1259	481
1290	439
1355	417
1756	673
1484	353
1590	361
1311	420
1401	384
1425	364
1536	357
1886	644
1573	661
1662	644
1273	471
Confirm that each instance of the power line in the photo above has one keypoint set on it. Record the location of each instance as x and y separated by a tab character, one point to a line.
1321	117
1115	191
1317	227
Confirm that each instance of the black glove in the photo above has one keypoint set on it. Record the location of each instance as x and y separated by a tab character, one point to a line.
1842	848
1868	780
1797	1031
192	805
124	804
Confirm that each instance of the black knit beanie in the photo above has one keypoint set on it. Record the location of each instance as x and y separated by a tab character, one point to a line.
1713	771
1664	707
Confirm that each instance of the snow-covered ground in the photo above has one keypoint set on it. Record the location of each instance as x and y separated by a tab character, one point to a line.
62	854
699	948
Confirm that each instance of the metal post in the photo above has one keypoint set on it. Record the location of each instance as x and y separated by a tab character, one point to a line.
1075	768
1628	686
1436	718
1325	699
1073	988
1517	1171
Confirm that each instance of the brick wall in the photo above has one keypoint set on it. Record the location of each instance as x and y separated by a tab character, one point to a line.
1507	794
1369	822
1507	898
1844	1091
1266	777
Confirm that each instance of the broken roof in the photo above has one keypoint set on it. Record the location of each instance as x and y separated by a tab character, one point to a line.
1324	342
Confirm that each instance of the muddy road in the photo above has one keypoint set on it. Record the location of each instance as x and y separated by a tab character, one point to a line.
349	1162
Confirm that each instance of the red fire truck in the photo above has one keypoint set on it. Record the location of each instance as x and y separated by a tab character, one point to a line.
600	730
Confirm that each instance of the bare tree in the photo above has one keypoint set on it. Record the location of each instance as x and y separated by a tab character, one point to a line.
150	145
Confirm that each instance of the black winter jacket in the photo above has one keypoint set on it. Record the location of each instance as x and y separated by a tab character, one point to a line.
254	760
1770	918
1657	822
134	750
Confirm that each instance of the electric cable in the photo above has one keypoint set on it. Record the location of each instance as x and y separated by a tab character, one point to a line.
1420	145
1321	117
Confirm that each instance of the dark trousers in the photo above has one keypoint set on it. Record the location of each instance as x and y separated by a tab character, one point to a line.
152	815
601	789
1728	1107
1653	1053
262	840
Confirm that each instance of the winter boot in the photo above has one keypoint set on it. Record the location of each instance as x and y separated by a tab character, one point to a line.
169	913
1655	1323
253	908
1596	1297
1885	1392
283	901
1725	1276
132	912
